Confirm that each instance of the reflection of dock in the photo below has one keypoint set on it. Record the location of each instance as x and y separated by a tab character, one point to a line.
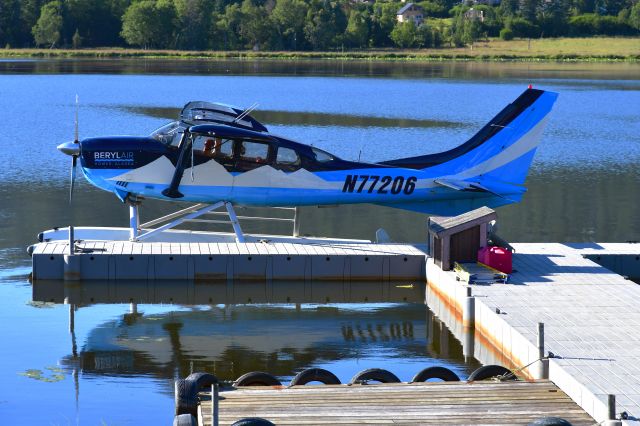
590	321
124	260
226	293
452	403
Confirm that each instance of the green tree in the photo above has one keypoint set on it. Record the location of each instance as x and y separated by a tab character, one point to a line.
357	32
634	16
424	36
76	40
148	23
193	24
288	17
383	21
47	28
255	25
227	27
320	28
10	22
404	34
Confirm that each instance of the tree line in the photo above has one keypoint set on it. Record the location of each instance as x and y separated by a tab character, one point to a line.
300	24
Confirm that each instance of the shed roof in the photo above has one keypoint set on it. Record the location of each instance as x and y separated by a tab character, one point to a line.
441	226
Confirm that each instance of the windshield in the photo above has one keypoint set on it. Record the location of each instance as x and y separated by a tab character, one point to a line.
169	134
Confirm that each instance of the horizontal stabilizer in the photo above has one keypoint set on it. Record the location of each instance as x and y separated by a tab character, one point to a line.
463	185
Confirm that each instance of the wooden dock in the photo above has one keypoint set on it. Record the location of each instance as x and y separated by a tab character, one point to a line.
265	260
436	403
590	316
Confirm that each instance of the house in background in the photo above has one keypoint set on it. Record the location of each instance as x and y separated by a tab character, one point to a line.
474	14
410	12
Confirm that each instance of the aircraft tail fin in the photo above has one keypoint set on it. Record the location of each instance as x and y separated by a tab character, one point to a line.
501	152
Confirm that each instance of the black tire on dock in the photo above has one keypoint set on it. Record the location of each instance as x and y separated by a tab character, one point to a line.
492	371
550	421
375	375
441	373
257	378
186	397
315	375
253	421
185	420
203	381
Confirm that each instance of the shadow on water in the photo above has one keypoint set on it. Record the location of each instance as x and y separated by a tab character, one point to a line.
292	118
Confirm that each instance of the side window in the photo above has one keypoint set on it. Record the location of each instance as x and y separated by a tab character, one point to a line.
213	146
254	151
287	157
321	156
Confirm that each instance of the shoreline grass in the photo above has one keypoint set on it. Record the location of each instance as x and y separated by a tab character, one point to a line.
594	49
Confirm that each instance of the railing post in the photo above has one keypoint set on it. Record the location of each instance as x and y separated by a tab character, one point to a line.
543	369
215	409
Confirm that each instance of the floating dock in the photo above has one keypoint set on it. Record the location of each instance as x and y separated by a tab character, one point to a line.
263	260
446	403
589	316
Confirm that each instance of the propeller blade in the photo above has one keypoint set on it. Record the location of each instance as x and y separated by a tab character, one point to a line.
73	177
76	140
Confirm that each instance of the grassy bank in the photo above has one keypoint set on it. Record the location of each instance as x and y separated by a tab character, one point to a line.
561	49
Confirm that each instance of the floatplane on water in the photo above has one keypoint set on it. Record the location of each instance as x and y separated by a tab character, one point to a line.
220	156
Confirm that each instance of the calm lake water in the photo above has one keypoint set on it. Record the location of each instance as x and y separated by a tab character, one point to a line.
117	366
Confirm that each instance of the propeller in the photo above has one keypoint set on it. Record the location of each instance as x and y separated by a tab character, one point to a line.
74	158
72	149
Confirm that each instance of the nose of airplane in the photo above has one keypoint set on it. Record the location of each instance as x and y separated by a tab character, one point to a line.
69	148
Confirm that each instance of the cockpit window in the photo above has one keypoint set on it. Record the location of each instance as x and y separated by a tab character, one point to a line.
169	134
287	157
321	156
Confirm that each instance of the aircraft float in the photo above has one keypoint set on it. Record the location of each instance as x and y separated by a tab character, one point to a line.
219	155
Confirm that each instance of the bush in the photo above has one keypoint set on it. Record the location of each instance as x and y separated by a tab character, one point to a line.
591	24
523	28
506	34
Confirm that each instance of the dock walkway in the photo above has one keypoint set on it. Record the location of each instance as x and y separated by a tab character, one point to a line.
445	403
591	320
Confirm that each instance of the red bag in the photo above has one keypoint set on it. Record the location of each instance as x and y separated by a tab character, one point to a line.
496	257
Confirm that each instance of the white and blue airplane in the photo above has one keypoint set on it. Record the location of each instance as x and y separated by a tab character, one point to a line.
217	153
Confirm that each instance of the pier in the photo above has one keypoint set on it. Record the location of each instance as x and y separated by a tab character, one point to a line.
445	403
567	316
588	315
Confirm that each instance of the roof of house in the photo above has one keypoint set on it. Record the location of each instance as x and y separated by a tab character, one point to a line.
405	8
442	226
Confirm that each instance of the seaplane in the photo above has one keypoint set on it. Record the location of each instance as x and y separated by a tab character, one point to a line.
216	155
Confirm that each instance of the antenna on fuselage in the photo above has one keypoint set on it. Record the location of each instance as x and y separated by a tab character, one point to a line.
246	112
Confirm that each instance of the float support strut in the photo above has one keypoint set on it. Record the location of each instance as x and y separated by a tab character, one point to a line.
134	221
234	222
178	221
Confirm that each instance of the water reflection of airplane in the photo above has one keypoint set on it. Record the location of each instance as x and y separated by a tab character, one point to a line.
234	339
221	156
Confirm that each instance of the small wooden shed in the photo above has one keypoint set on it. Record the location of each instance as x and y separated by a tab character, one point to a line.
458	238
